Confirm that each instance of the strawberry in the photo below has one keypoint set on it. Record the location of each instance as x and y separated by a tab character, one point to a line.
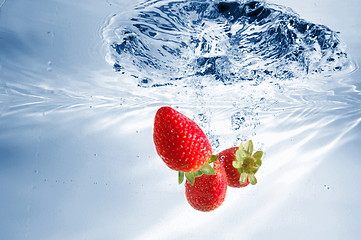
181	143
208	191
241	164
226	157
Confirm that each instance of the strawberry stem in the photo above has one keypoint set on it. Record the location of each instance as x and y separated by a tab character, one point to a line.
206	169
247	162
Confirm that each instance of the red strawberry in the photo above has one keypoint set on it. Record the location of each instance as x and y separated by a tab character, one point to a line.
241	164
226	157
179	141
208	191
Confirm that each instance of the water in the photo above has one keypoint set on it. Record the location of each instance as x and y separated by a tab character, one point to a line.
167	42
76	154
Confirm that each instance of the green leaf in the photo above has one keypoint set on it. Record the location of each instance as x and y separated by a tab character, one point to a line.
198	173
213	158
243	177
248	147
254	171
241	153
241	147
237	164
208	170
252	179
180	177
258	155
190	177
258	163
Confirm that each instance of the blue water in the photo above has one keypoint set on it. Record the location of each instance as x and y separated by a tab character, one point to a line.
171	42
77	104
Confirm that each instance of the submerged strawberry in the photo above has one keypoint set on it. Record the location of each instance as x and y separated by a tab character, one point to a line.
208	191
241	164
180	142
226	157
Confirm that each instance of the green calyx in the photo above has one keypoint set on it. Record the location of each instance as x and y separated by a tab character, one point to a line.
191	176
247	162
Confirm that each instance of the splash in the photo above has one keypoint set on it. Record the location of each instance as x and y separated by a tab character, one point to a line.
186	42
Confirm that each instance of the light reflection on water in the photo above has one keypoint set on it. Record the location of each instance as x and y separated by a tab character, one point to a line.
76	148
